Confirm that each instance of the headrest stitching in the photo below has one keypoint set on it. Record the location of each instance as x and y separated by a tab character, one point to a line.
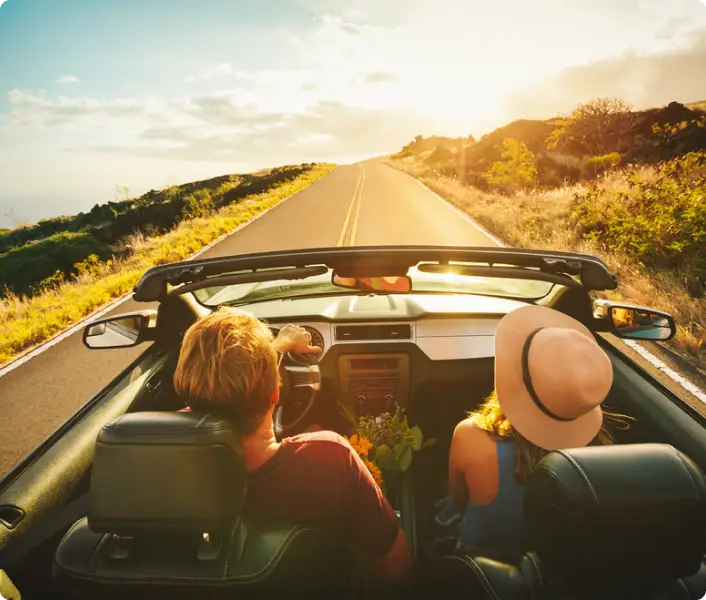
229	552
581	471
206	416
540	578
566	490
484	580
280	550
688	473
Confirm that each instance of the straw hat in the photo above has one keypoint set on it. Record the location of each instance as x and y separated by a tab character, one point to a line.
550	377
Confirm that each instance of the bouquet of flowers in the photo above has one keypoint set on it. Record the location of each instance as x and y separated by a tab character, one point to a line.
386	443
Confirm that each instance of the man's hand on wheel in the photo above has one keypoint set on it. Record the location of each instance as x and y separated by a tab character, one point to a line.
292	338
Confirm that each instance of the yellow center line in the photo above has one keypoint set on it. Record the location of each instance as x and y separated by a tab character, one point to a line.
354	229
350	208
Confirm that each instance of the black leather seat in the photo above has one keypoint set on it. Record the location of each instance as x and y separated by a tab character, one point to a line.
606	522
165	515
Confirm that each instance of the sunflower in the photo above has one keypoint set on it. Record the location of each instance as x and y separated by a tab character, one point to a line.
361	445
374	471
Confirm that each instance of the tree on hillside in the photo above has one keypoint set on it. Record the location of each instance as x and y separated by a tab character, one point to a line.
595	128
516	169
122	190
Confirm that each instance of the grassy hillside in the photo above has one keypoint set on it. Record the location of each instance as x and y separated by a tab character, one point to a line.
641	205
35	257
90	283
570	148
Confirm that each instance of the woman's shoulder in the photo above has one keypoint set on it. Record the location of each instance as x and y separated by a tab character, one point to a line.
469	434
468	429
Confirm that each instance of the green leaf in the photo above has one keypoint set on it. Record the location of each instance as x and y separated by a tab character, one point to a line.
406	458
429	442
417	437
385	459
401	448
348	414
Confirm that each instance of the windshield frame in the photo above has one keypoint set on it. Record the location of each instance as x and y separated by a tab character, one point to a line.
590	271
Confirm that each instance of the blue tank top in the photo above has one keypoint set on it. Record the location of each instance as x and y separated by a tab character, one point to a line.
499	526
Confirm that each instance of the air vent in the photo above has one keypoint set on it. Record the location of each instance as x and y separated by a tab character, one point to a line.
345	333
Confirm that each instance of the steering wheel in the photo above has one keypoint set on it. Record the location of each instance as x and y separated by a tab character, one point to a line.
300	385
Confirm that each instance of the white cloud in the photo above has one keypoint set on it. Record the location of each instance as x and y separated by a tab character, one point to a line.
212	72
68	79
644	81
223	69
379	77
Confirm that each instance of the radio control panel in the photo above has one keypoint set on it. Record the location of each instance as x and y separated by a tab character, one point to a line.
373	383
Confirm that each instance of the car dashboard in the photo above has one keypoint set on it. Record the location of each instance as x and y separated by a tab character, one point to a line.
375	347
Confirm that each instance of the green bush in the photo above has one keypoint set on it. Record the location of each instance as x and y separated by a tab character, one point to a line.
21	269
597	165
516	170
198	204
660	220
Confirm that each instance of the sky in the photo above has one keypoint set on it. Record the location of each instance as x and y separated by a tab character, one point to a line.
101	95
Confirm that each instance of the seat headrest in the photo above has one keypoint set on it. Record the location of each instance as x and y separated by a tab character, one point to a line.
159	471
626	514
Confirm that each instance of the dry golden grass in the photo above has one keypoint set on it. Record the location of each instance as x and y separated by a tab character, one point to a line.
26	322
543	219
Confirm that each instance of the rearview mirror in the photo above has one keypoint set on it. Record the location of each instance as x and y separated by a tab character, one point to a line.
635	322
395	284
119	331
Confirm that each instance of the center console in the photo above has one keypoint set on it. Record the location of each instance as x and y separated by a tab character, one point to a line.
374	383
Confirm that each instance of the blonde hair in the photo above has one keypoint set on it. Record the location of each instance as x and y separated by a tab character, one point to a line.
490	417
228	365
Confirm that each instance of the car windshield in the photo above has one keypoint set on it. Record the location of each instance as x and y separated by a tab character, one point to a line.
422	282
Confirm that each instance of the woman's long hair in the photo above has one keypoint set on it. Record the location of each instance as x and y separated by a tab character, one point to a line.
490	417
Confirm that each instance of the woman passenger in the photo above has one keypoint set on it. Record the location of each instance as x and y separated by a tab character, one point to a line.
550	380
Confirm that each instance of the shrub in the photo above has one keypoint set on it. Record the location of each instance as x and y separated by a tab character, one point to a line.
597	165
596	127
669	140
660	221
21	269
198	204
516	169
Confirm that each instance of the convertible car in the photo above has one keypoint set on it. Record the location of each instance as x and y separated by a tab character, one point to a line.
132	498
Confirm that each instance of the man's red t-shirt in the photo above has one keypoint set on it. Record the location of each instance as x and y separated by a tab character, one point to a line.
318	477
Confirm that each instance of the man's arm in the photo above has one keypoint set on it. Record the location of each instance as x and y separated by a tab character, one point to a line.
372	528
395	566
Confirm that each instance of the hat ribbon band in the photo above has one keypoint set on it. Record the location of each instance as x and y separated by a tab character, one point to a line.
527	379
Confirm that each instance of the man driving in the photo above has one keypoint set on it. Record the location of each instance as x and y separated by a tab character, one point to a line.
228	365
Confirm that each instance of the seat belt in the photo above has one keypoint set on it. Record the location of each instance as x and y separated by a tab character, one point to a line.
61	519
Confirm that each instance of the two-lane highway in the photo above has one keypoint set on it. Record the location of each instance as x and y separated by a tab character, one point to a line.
367	203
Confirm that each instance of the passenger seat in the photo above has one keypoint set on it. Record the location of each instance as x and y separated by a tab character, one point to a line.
612	522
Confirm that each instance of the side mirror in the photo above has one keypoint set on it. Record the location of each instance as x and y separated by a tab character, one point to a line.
120	331
635	322
396	283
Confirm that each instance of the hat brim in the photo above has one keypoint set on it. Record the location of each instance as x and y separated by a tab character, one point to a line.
514	399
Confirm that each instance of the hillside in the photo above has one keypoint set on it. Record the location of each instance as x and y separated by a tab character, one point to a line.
66	268
640	137
38	256
629	186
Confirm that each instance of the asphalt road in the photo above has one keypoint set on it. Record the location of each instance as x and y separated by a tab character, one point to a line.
363	204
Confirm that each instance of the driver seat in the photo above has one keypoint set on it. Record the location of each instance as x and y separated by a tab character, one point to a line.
165	519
